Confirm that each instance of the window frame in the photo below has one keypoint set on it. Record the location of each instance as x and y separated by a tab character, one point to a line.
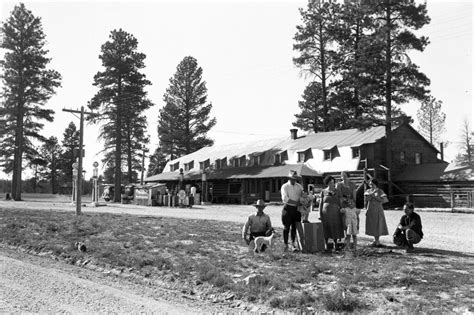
357	151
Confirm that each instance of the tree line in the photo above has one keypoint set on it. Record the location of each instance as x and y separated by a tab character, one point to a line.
355	53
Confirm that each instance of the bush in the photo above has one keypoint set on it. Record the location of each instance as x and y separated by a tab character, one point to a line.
340	301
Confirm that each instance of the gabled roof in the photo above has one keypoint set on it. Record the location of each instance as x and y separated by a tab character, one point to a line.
340	138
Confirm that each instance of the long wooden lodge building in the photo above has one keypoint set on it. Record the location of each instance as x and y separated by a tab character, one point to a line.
244	172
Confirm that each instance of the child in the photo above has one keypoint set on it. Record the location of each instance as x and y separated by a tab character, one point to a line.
351	218
305	205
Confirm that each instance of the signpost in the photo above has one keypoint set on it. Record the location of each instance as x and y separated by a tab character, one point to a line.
95	177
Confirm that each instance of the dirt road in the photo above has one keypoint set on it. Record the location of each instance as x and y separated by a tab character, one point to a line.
28	283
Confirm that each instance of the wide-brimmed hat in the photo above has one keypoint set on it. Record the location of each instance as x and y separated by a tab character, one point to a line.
260	204
293	175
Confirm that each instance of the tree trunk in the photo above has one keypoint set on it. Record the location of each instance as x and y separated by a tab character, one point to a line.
118	147
18	155
388	94
323	76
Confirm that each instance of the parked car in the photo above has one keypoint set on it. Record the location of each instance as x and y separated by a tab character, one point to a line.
109	189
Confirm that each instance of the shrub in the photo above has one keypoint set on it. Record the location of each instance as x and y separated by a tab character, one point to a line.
340	301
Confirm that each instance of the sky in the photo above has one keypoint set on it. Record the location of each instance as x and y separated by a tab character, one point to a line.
245	49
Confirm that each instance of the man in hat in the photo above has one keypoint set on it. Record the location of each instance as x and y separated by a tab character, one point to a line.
257	224
290	194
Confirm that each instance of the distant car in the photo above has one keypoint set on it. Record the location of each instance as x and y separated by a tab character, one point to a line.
108	193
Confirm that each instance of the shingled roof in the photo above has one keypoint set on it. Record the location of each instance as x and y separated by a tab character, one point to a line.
322	140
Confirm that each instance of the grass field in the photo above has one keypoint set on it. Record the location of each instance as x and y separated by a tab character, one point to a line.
207	260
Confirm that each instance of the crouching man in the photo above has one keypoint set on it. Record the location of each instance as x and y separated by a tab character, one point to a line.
257	224
409	230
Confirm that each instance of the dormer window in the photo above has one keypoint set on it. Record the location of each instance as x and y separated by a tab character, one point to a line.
204	164
327	155
189	166
303	156
243	161
221	163
174	167
331	153
276	159
355	152
257	159
236	162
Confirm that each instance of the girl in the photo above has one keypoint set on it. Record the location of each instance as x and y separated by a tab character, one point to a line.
375	224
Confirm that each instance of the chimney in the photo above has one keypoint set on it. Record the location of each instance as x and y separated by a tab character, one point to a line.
294	134
441	150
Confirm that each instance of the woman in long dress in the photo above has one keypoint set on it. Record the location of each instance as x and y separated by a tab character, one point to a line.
375	224
329	207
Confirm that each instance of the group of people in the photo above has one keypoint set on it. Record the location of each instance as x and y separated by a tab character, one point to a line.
338	213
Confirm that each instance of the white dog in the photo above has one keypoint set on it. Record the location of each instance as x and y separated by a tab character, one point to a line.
260	241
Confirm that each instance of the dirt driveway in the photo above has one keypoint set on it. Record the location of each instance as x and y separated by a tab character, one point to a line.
443	230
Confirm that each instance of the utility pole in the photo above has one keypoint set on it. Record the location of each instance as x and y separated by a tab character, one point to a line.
79	166
143	163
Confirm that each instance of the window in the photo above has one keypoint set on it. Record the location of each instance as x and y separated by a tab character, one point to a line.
189	166
301	157
355	152
283	157
221	163
402	156
174	167
417	158
327	155
205	164
276	159
235	162
243	160
234	188
257	160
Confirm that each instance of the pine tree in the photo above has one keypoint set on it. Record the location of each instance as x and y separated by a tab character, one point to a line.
314	42
121	100
431	119
27	86
355	102
184	121
70	144
396	77
157	162
465	157
311	116
51	152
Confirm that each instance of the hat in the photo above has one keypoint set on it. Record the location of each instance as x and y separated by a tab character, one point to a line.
293	175
260	204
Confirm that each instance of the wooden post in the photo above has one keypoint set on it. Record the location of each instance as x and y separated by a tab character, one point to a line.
79	166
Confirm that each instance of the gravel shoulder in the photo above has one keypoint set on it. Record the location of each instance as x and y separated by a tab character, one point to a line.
28	283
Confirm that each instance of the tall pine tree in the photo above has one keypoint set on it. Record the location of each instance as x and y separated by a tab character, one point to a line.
185	119
121	100
314	43
431	119
157	162
27	86
70	143
398	79
51	152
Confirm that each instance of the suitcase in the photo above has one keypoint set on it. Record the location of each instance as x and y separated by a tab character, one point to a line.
313	237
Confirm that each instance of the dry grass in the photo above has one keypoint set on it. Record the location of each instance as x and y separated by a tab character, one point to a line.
207	259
